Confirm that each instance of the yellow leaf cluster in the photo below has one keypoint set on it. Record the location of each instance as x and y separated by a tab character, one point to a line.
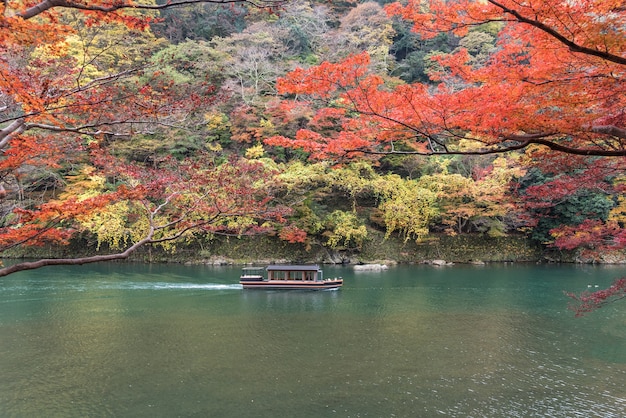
110	225
345	229
256	151
409	209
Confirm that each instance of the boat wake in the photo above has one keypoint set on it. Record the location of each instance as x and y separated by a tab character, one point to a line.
107	285
171	286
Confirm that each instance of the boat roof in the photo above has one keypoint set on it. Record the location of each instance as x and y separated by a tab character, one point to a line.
291	267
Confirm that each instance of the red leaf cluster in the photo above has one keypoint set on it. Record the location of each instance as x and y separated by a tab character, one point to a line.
587	301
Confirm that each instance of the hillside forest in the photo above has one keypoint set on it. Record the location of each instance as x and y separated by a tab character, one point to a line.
125	124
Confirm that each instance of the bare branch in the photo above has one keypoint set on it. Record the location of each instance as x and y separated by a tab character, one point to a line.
14	128
610	130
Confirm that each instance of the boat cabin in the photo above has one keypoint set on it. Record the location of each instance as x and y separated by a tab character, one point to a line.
288	272
286	276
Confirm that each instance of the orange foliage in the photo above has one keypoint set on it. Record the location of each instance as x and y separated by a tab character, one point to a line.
556	79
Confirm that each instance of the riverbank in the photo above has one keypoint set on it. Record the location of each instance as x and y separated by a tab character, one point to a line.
456	249
441	249
266	249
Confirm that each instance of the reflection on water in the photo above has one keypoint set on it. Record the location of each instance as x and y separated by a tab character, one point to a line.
145	340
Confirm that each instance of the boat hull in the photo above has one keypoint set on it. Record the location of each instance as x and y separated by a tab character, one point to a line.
292	284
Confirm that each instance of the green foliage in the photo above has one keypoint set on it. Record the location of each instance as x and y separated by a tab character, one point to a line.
152	149
201	21
412	53
573	210
306	218
191	62
479	45
551	210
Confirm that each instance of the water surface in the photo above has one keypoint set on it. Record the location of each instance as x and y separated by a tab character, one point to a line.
140	340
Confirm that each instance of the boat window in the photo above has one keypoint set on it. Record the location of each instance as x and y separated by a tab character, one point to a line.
295	275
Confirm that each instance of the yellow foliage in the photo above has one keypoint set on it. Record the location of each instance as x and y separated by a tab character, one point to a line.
256	151
83	185
345	229
405	206
267	124
110	225
618	213
409	209
107	48
463	199
298	176
214	147
215	120
353	179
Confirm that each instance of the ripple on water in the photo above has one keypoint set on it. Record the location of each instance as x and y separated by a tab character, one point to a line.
451	345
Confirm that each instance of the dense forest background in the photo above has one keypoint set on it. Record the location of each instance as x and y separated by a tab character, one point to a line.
223	121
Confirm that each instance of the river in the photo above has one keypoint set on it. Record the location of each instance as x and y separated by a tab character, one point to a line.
136	340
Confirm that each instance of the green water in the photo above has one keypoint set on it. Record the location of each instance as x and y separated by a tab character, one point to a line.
119	340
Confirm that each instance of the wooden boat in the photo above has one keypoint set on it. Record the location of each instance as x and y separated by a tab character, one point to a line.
285	276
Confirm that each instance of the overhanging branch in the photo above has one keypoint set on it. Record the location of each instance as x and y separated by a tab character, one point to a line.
32	265
518	142
573	46
119	5
610	130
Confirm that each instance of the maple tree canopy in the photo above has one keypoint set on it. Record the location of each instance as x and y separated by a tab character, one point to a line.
60	105
81	80
555	78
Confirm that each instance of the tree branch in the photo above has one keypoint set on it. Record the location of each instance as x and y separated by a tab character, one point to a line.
520	142
573	46
610	130
14	128
74	261
119	5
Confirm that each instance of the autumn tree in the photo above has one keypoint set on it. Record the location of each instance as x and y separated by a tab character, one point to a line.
75	78
554	79
332	199
565	197
344	229
546	77
476	203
